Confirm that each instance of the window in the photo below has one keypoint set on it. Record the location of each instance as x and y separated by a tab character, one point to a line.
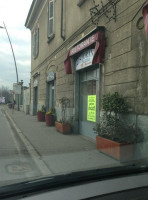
35	43
50	31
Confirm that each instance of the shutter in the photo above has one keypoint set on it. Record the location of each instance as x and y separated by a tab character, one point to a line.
50	18
37	42
34	45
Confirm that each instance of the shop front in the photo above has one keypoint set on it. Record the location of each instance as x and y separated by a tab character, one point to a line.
88	100
87	56
50	90
35	97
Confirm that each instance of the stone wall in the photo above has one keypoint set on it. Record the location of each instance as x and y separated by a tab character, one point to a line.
125	69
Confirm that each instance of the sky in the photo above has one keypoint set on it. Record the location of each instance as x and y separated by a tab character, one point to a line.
14	13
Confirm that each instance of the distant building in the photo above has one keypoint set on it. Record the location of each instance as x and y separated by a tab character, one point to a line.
2	99
80	49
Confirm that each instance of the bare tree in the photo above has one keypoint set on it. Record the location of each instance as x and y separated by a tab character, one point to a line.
4	92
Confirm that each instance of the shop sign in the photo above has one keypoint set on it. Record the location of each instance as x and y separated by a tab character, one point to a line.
85	59
83	45
35	84
51	76
16	88
145	16
91	108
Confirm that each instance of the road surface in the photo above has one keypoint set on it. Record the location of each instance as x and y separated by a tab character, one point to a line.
15	162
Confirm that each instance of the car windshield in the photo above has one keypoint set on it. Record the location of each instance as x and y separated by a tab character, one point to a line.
73	87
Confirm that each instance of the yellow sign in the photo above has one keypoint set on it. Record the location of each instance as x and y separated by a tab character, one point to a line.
91	108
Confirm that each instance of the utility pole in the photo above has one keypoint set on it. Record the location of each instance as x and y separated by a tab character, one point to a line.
13	57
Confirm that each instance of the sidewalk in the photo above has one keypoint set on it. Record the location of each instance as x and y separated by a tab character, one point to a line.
60	153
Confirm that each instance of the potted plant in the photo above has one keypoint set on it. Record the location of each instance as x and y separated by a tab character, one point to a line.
114	137
63	125
49	117
41	114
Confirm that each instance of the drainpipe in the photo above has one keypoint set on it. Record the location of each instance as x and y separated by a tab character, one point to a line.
62	35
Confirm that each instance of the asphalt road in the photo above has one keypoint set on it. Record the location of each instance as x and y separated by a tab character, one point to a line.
16	164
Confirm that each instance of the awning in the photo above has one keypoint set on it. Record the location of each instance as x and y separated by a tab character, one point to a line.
100	42
145	16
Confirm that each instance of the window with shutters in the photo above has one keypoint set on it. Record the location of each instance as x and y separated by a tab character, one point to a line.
50	29
36	43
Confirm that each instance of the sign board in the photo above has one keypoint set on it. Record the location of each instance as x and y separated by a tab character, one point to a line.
51	76
85	59
91	108
84	44
16	88
35	84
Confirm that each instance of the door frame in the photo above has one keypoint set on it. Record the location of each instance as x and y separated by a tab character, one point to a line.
77	95
35	100
48	94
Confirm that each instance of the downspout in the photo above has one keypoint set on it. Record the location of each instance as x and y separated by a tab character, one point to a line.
62	35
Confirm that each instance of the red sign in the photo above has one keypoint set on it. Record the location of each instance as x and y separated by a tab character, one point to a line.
98	39
84	44
145	16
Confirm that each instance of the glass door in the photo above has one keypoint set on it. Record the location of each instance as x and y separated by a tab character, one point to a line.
89	102
35	100
50	95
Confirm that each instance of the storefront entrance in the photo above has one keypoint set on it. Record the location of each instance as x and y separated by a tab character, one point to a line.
89	101
50	95
35	100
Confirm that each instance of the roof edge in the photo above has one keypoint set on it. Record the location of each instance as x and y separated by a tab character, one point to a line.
29	14
32	12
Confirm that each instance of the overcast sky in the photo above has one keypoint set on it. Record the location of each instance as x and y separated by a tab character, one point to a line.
14	13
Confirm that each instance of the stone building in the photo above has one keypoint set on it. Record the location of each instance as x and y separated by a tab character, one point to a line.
84	48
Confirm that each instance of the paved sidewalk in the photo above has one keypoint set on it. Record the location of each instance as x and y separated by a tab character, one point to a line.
60	153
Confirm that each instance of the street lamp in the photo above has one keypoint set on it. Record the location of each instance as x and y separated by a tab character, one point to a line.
13	56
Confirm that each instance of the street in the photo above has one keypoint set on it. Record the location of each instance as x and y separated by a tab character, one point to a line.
15	162
29	149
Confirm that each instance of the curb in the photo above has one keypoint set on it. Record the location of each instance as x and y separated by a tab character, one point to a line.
45	171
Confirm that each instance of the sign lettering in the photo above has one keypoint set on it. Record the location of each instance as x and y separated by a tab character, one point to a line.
91	108
84	44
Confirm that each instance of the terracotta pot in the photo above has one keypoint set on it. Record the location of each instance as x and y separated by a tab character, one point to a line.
119	151
41	116
63	128
49	120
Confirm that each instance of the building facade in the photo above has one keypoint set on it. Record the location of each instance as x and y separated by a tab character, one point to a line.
83	49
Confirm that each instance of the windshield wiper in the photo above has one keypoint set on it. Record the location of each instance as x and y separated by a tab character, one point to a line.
54	182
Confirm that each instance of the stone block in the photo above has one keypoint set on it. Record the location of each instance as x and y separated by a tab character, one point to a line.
126	10
117	63
64	88
121	33
143	124
123	76
121	47
126	89
60	81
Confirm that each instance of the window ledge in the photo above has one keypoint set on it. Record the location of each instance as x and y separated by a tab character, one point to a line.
50	38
